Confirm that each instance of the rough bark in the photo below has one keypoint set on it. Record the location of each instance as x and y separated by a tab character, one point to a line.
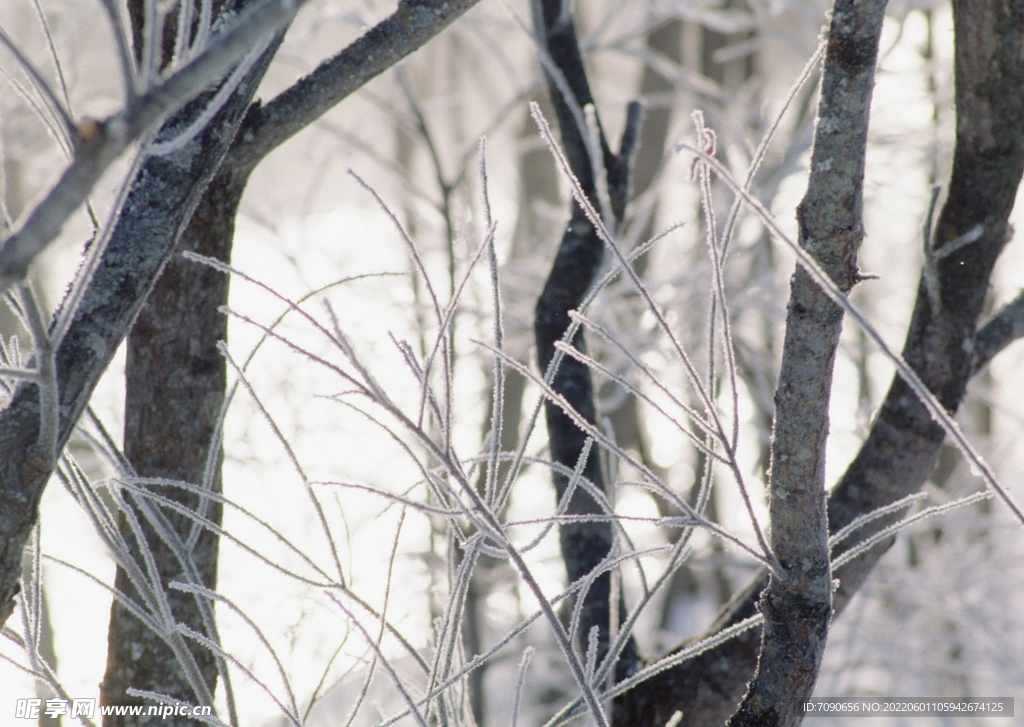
900	451
176	376
98	143
797	604
157	208
175	379
987	166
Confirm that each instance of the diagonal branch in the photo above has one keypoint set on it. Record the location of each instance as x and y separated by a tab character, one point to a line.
413	24
1000	331
159	204
157	208
99	143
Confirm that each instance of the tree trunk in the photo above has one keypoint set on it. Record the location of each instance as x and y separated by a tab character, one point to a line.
900	451
176	380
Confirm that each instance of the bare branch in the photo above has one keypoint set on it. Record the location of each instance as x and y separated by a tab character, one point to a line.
414	23
593	165
155	211
1002	330
99	143
124	55
797	604
40	83
49	414
987	169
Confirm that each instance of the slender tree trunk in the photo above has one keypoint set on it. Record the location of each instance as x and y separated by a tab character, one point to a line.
900	451
585	543
176	379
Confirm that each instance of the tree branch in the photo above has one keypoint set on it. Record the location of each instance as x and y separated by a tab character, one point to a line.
585	545
1004	328
414	23
900	451
175	381
99	143
157	208
797	605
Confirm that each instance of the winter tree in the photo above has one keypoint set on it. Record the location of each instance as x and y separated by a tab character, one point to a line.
547	387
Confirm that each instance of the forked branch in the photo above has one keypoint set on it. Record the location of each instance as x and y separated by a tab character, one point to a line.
900	451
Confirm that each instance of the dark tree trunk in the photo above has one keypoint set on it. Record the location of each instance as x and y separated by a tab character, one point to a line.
157	209
176	379
900	451
586	543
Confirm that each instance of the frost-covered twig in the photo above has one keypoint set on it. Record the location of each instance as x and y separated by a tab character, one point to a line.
99	142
